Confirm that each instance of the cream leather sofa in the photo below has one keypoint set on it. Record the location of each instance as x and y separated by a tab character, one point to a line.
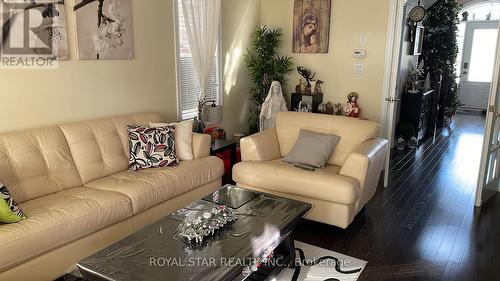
73	184
338	191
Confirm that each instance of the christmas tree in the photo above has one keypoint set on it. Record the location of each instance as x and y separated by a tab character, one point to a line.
427	83
440	48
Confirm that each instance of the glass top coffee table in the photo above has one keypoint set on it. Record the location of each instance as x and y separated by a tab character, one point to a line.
157	252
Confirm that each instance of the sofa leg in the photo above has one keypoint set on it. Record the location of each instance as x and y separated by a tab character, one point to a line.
363	210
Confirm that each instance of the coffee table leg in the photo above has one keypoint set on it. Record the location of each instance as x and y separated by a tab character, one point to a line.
291	249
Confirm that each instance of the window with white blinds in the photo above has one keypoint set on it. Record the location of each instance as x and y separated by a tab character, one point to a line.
187	81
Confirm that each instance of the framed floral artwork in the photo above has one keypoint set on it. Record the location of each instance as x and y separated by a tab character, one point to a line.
104	29
311	26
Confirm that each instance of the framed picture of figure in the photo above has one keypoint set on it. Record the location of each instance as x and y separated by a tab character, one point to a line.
104	29
311	26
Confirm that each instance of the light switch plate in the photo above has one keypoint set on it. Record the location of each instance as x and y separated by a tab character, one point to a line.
363	40
359	68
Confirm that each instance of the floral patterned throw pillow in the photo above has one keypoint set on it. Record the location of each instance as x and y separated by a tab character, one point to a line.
151	147
9	210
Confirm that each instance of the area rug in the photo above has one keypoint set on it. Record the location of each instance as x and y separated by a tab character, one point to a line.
316	264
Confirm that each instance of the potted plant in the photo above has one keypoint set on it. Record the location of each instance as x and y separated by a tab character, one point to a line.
265	66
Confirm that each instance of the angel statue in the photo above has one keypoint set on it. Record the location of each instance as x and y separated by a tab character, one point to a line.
274	103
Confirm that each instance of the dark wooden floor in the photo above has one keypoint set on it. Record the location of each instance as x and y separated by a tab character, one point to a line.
425	226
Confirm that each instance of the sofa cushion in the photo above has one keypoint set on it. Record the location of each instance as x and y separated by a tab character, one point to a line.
151	147
59	218
352	132
36	162
100	147
147	188
183	138
323	184
10	212
312	149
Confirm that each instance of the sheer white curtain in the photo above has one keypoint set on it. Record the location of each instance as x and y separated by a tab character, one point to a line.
202	21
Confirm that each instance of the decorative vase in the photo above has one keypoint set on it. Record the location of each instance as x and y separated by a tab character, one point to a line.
401	143
412	143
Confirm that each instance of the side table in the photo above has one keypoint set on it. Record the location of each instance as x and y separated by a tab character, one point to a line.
219	146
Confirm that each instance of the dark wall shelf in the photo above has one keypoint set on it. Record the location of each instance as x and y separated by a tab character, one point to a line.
313	100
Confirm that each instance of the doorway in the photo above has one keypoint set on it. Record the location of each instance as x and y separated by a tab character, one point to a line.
476	74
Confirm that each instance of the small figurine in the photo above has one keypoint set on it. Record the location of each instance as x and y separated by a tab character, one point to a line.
329	108
352	108
401	143
465	16
412	142
337	109
300	87
304	106
307	91
317	87
322	108
307	74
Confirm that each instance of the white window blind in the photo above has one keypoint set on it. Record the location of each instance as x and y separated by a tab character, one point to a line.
187	81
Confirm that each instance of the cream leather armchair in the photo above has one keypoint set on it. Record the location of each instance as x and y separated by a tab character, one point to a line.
340	189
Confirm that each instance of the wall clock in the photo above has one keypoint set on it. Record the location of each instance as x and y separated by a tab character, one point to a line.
417	13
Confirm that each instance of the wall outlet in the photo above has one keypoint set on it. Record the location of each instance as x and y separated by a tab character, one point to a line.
359	68
359	53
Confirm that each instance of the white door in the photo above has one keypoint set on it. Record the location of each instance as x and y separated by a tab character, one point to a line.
395	39
489	173
477	63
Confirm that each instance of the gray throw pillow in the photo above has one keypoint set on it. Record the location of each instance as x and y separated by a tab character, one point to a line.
312	149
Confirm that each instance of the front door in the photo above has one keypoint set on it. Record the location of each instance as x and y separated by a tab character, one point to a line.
477	64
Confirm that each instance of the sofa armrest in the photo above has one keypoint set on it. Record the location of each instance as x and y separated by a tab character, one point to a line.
201	145
262	146
365	164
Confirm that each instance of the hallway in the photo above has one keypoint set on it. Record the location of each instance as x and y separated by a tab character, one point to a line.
425	227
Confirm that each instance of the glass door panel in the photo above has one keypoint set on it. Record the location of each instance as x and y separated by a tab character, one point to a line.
482	52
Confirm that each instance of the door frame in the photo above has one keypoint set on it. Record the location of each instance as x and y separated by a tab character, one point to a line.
392	56
391	73
488	127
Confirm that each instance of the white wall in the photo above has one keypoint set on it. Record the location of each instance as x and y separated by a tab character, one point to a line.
240	19
349	20
81	90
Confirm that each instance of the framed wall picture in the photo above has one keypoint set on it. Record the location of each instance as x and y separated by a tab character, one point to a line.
104	29
47	24
418	41
311	26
